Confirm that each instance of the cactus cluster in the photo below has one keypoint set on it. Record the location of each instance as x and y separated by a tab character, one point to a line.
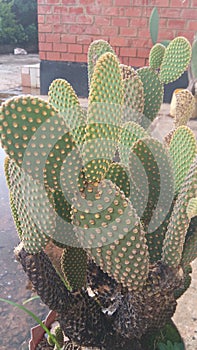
118	204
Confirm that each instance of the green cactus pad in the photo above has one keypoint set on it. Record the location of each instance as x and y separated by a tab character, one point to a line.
133	99
74	267
64	99
12	204
156	55
118	175
96	49
182	151
153	92
185	105
20	118
130	133
190	245
104	117
179	223
187	270
112	234
192	208
151	173
35	212
176	60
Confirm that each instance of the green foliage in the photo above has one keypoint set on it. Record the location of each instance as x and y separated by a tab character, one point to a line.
154	25
10	31
170	346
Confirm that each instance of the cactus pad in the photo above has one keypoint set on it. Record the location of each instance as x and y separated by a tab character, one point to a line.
133	99
64	99
179	223
96	49
192	208
20	118
104	117
190	246
113	234
118	175
182	151
176	60
156	55
130	133
128	72
153	92
74	266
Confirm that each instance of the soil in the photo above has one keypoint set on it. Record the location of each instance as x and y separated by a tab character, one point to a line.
15	324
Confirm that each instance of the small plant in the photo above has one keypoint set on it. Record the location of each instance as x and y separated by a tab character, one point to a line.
105	213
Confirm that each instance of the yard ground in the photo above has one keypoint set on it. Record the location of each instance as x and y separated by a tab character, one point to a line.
13	280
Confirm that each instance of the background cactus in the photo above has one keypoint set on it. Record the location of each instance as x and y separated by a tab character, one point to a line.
118	204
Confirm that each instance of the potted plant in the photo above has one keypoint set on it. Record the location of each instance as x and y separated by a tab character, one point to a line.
119	206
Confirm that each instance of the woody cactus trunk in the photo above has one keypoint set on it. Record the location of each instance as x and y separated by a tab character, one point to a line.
117	205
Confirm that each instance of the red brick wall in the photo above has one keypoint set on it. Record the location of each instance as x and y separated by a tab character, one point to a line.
67	27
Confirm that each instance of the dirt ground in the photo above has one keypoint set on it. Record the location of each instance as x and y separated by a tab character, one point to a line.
12	279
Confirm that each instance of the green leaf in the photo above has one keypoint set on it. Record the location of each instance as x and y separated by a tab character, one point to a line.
154	25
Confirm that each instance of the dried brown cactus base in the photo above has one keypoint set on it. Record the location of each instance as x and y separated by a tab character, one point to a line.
87	321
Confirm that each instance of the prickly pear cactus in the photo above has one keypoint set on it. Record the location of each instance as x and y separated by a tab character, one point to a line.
117	205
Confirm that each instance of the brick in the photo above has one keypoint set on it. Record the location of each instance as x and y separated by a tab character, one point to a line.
77	29
105	3
125	60
127	51
53	56
120	22
163	3
41	18
118	41
59	28
46	46
45	28
176	23
122	2
194	3
140	42
166	34
67	56
93	10
69	2
189	14
192	25
76	10
139	2
52	18
50	38
53	2
67	38
133	11
179	3
143	52
60	9
171	13
109	31
86	2
111	11
102	21
85	19
68	18
137	62
41	37
83	39
130	31
75	48
59	47
81	58
139	22
186	33
85	49
42	55
92	30
44	9
143	33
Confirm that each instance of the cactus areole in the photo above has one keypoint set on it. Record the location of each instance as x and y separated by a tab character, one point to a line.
118	205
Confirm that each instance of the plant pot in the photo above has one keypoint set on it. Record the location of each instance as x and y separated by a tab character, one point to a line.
37	332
